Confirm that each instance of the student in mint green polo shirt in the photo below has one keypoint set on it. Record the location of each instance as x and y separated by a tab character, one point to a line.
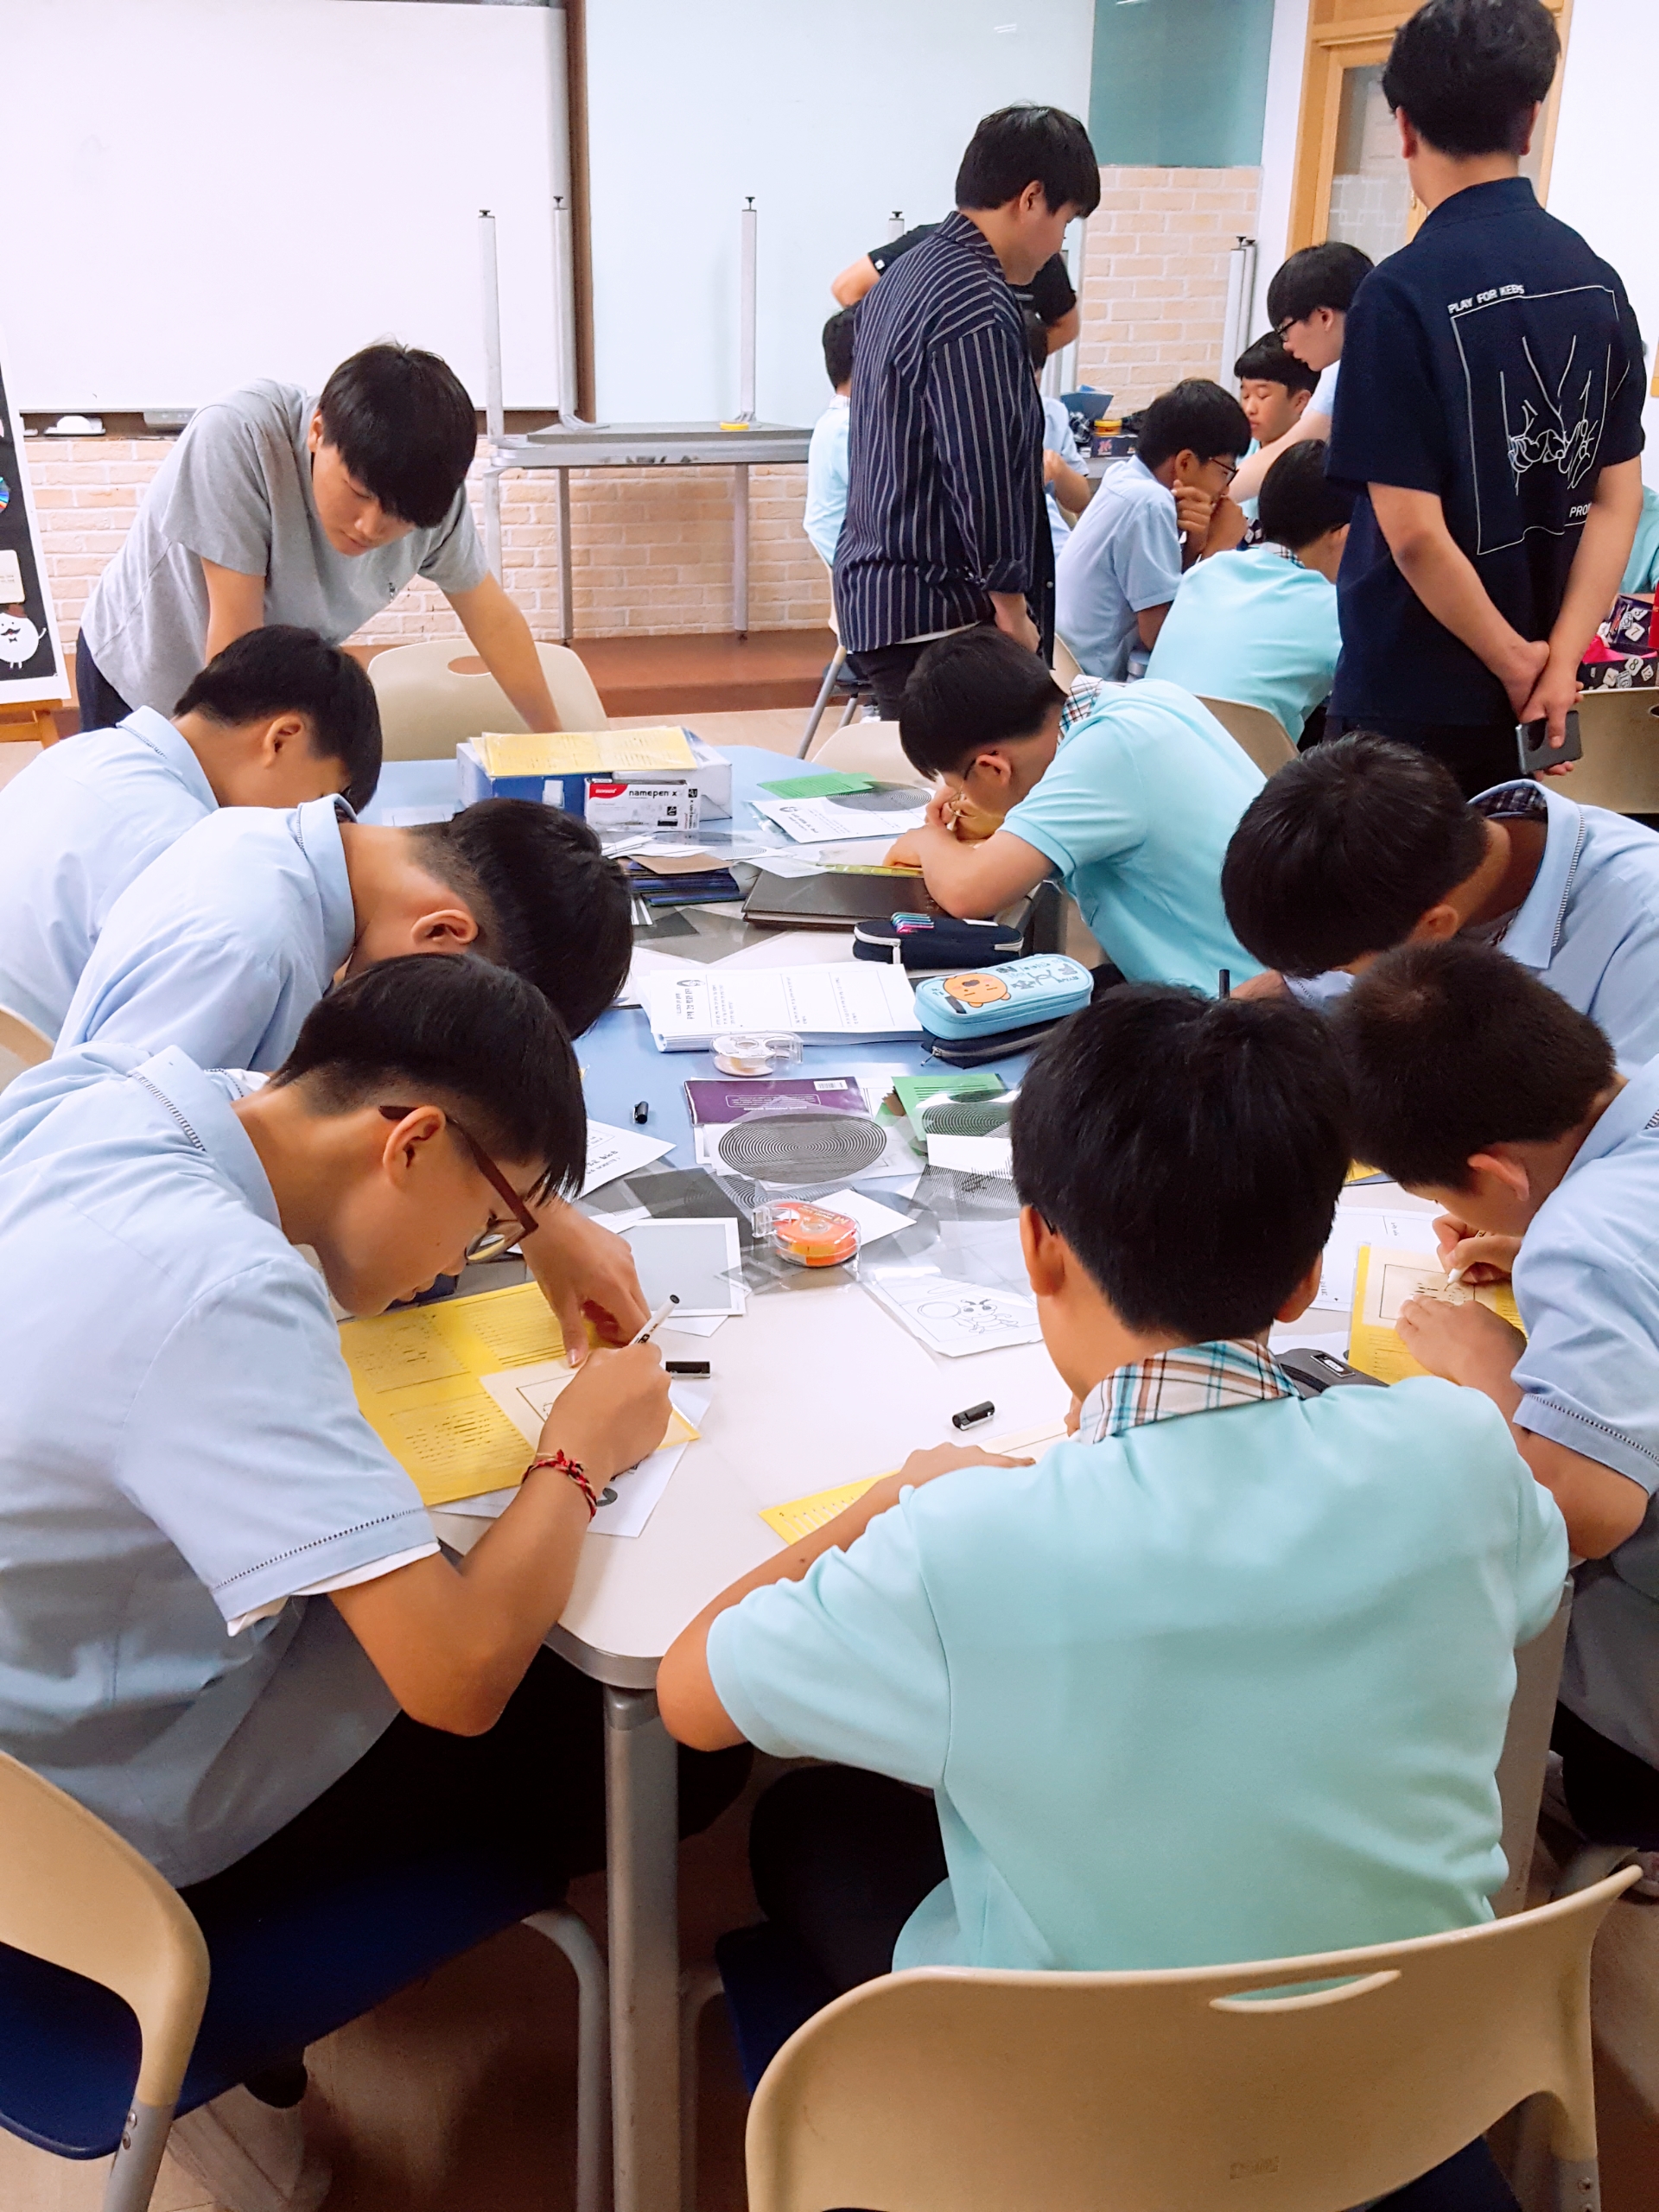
1129	794
1225	1677
1260	625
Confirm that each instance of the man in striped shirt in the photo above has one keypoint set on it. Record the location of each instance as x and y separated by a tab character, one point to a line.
946	524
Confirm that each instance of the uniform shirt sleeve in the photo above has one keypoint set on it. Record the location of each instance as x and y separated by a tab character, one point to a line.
845	1664
246	1449
217	500
1388	426
455	559
1088	806
978	401
1145	552
1590	1372
200	990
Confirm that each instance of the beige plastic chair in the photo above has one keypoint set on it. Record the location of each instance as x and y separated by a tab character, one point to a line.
427	708
1620	768
1261	735
1067	668
942	2090
22	1045
867	749
1526	1751
73	1892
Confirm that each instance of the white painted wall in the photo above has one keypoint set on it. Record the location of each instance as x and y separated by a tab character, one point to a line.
205	191
830	116
1285	59
1600	179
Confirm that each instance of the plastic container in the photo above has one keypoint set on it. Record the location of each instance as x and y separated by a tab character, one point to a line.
805	1234
985	1002
750	1053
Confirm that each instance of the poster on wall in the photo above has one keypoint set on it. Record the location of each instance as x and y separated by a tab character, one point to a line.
31	659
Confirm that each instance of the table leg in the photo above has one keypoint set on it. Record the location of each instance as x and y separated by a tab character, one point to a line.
567	615
493	521
642	1818
740	552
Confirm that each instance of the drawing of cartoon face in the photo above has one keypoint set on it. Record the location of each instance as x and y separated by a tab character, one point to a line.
964	993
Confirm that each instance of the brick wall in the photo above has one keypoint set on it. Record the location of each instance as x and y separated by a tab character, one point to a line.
1155	276
652	547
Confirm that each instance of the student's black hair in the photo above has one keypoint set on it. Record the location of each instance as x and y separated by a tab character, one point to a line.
1189	1150
1266	360
1325	275
1469	72
404	427
838	347
282	670
1453	1048
1019	146
1195	414
966	692
477	1040
1036	339
1344	850
546	900
1298	502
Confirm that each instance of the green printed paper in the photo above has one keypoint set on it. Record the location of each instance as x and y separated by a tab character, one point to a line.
828	783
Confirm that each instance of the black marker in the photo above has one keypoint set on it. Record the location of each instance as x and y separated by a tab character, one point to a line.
685	1367
971	1416
642	1110
1225	992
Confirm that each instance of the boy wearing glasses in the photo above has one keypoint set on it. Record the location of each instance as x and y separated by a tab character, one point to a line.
1151	518
226	941
1308	299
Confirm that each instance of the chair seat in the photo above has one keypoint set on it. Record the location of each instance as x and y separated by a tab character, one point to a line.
281	1979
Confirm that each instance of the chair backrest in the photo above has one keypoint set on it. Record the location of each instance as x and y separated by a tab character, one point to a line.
1620	768
22	1045
75	1892
1526	1751
427	706
866	749
1261	734
945	2090
1067	668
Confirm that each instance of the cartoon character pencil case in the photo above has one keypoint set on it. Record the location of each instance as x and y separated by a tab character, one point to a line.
985	1001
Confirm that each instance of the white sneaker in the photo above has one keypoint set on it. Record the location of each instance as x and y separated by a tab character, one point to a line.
252	2157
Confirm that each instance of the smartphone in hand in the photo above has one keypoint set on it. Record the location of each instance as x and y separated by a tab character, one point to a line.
1538	752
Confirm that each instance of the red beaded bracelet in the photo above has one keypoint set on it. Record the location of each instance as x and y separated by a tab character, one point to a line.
568	1467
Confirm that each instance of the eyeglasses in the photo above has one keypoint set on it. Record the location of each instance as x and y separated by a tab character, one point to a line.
494	1240
1229	468
1280	330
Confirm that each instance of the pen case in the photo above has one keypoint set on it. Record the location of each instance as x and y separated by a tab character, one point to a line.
937	941
984	1001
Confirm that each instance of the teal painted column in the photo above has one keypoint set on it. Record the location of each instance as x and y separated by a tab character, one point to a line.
1179	83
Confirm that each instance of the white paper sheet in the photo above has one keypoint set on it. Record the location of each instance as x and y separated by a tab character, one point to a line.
614	1151
972	1155
850	998
1357	1225
626	1503
696	1261
955	1318
829	821
874	1220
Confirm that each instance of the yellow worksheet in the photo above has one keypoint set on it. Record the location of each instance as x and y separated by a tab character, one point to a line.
525	1395
801	1515
1387	1276
575	753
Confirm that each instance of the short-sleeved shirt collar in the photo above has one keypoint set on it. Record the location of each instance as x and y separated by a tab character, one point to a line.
1534	933
316	829
1502	195
203	1112
156	732
1193	1379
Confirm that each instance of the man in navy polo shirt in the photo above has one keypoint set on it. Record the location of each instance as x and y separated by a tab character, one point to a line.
1490	410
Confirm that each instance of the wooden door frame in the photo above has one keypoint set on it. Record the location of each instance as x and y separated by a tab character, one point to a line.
1337	41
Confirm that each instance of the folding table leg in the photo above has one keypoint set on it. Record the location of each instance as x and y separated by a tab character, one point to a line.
642	1818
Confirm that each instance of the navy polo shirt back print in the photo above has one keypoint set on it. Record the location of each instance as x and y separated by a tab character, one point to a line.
1495	361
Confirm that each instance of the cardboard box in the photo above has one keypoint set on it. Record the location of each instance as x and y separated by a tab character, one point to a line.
710	781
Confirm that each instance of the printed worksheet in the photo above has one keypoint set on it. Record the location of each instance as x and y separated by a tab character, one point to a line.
956	1317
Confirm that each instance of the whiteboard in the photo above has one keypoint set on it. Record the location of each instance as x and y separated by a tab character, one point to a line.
831	112
202	192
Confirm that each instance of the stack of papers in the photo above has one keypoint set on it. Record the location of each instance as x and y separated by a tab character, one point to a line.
576	753
688	1009
831	820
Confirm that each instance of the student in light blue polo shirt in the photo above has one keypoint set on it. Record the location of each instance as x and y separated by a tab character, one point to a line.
1364	843
278	718
1226	1676
826	458
1476	1086
1129	794
225	942
1259	624
1119	570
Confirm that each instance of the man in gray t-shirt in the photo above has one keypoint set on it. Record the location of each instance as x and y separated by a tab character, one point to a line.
274	507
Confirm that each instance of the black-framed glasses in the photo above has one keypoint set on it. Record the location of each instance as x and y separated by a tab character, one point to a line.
1230	466
1281	330
494	1240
